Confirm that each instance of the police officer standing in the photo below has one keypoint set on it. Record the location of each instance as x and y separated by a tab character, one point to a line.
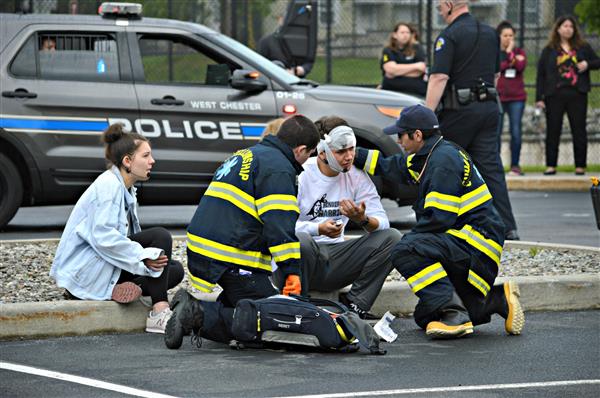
462	89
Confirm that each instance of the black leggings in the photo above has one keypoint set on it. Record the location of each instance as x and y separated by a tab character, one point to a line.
574	103
172	274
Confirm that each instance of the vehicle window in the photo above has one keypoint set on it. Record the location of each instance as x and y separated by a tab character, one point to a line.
172	60
244	52
78	56
24	63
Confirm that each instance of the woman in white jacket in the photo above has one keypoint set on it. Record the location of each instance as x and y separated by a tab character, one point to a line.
103	254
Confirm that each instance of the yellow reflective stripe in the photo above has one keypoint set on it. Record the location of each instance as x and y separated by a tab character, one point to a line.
478	282
229	254
285	251
234	195
277	202
371	162
201	284
426	277
341	332
474	198
442	201
412	173
487	246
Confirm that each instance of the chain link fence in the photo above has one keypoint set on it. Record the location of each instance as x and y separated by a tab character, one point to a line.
352	34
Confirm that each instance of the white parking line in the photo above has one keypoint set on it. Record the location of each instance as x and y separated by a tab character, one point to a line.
484	387
82	380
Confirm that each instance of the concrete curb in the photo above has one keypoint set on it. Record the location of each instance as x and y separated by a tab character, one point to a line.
558	182
67	318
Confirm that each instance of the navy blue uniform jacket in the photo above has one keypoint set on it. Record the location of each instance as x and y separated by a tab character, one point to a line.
453	199
247	216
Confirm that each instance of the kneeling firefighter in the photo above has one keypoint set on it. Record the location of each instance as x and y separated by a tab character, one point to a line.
450	258
246	217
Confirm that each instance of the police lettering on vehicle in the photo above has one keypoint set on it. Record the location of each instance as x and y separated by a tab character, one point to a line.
202	129
226	105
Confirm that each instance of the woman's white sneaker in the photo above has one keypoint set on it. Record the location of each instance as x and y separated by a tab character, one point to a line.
156	323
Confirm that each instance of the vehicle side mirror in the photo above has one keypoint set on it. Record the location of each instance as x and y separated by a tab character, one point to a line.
247	80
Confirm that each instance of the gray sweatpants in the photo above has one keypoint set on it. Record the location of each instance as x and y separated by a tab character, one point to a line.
364	262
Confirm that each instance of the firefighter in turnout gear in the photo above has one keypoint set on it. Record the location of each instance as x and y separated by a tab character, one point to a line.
245	219
450	258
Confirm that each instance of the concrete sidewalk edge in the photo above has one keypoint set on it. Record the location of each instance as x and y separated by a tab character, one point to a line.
69	318
559	182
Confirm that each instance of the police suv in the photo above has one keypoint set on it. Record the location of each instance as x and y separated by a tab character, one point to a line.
196	94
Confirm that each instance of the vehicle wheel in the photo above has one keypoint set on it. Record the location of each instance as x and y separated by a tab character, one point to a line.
11	190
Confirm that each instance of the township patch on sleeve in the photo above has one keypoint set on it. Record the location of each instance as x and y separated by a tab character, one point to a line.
385	58
439	44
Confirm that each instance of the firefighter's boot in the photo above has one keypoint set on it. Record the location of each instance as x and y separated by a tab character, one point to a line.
454	321
187	317
515	317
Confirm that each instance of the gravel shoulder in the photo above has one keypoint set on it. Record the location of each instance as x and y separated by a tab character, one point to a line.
24	267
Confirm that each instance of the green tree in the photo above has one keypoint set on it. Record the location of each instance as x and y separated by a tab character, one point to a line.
588	12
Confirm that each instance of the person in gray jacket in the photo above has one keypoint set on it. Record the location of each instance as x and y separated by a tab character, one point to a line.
103	254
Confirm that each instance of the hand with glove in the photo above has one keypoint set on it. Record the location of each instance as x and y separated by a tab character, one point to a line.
292	285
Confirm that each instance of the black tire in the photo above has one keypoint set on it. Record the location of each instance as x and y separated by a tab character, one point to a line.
11	190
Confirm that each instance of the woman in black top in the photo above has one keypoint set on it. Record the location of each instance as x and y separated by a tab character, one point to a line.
563	82
403	62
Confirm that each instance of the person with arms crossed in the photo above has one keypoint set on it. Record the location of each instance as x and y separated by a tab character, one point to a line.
451	256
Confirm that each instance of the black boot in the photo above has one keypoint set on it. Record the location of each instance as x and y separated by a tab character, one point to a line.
454	321
187	317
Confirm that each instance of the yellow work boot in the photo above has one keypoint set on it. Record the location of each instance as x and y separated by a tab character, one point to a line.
454	321
515	320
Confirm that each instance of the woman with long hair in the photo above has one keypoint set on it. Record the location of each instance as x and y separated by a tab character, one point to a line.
103	254
563	83
403	62
511	89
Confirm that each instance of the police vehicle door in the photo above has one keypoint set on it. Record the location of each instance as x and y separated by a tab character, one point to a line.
61	88
193	117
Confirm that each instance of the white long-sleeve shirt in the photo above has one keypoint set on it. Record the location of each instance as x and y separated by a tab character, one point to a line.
319	199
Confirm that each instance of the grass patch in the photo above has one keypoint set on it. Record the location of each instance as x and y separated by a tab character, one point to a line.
366	71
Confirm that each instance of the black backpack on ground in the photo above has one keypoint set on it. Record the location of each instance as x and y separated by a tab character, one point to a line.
282	321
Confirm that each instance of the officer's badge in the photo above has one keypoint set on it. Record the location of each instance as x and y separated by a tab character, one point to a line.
439	44
226	167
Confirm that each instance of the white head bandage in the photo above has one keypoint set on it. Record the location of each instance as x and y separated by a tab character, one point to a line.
341	137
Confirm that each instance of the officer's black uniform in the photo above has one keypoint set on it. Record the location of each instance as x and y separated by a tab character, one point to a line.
473	125
456	244
414	85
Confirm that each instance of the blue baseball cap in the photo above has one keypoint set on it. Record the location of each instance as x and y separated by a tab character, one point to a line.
416	117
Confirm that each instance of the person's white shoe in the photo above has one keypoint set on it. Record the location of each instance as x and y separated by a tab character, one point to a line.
156	323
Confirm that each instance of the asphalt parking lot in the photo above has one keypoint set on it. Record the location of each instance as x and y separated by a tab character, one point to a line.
557	356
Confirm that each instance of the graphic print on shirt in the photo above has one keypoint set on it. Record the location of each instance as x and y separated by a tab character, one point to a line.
324	208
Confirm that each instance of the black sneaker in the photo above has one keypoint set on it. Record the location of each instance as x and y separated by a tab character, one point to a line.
187	317
362	314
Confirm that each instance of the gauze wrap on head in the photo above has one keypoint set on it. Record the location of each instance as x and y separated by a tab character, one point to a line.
341	137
